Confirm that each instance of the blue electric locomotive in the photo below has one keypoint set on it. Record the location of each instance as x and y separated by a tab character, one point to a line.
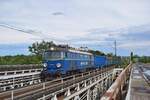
65	61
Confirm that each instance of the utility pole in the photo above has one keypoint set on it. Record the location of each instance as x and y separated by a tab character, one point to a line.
115	47
115	44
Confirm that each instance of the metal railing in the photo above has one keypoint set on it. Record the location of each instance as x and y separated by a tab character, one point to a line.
3	73
18	78
116	90
19	67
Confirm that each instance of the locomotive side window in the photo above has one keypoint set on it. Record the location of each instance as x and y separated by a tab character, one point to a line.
81	56
78	56
52	55
66	56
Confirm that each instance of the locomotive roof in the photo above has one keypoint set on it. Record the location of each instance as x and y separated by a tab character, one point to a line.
74	51
82	52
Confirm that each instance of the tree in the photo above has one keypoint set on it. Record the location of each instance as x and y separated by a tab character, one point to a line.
144	59
38	48
20	59
96	52
131	56
110	55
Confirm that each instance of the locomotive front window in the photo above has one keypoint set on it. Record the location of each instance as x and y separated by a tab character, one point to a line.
53	55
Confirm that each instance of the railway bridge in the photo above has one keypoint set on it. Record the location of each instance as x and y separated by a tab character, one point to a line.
90	85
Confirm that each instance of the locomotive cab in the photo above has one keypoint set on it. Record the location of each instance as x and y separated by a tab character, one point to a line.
52	63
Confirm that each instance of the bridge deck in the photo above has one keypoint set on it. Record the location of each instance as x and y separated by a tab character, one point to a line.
139	86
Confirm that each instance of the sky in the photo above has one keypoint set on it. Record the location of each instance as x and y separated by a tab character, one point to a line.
92	23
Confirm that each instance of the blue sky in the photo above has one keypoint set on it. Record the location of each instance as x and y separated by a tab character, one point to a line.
92	23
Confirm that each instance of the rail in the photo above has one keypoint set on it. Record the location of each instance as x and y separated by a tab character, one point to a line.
115	91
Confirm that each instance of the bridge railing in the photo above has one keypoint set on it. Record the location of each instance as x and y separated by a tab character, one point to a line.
115	92
19	71
19	67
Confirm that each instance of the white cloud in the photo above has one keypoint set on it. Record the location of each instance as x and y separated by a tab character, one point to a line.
135	45
9	36
75	21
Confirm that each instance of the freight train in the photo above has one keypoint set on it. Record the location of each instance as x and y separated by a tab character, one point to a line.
61	62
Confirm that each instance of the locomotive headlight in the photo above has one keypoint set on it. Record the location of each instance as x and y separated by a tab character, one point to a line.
58	65
52	48
45	64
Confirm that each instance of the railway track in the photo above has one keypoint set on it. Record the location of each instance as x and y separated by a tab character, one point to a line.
37	91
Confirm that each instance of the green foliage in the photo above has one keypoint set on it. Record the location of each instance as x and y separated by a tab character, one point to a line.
144	59
125	61
96	52
38	48
110	55
20	59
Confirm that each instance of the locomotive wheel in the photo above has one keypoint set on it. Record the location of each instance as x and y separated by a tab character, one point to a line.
58	75
42	76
